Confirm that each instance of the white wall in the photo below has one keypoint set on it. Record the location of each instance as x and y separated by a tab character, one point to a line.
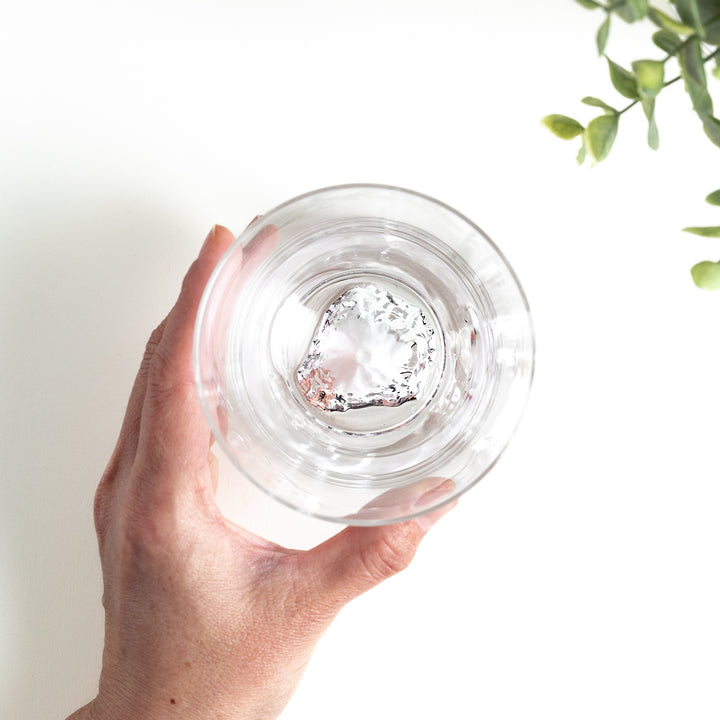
579	579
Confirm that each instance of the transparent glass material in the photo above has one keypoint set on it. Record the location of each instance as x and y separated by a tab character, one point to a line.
371	342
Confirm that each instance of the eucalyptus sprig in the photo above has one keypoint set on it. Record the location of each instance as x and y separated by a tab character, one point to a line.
692	38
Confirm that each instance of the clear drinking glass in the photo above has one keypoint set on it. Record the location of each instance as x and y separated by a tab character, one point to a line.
368	344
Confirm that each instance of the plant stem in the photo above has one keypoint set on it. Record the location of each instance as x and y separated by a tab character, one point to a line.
713	19
713	54
625	109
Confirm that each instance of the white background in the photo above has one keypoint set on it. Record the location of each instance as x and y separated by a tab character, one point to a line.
580	578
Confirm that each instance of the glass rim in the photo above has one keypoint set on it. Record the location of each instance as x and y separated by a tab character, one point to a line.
202	313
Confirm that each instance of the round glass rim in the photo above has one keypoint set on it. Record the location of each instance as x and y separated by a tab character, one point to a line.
201	313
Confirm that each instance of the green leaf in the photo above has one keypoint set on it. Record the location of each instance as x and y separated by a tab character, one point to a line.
639	8
691	61
710	11
693	73
667	41
563	126
713	198
701	100
653	138
712	128
716	72
667	23
706	275
650	77
631	10
601	134
596	102
582	154
589	4
689	13
712	231
602	35
623	80
624	11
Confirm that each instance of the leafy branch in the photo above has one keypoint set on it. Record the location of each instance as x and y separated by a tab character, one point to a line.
695	28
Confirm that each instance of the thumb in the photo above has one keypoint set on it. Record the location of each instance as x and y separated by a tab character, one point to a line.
359	558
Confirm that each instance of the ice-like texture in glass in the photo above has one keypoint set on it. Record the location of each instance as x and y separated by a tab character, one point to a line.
371	347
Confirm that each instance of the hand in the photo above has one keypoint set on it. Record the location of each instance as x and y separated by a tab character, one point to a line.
202	618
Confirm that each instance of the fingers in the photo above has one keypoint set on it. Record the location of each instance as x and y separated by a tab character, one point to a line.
129	433
172	362
128	438
174	435
358	558
173	431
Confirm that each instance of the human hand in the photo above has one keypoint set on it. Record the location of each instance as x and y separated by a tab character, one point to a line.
202	618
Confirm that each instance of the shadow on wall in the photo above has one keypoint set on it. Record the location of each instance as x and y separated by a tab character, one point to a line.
87	269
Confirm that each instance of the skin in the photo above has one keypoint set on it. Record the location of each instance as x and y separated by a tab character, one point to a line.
202	618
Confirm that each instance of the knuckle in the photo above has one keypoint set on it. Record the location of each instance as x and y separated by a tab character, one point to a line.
151	347
154	339
189	281
148	533
145	517
389	556
193	270
101	502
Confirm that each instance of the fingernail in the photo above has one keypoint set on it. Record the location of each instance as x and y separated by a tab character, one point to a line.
441	488
427	521
208	239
